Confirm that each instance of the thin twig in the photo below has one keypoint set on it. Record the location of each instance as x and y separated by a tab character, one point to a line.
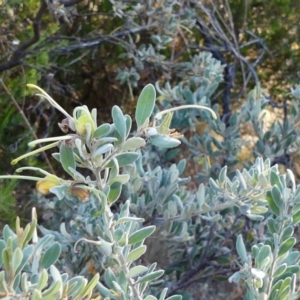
26	122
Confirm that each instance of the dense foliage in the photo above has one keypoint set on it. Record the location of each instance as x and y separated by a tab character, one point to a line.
214	192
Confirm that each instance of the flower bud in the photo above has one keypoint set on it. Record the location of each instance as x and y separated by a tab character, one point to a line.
45	185
81	123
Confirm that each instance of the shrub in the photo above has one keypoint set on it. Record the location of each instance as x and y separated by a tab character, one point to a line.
102	233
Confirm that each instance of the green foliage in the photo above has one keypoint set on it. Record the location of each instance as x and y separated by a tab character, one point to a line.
122	186
28	270
95	239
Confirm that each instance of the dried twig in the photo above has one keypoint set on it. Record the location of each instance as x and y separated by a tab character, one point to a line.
26	121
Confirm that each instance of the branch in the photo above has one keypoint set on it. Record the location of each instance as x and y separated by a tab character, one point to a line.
68	3
95	42
21	52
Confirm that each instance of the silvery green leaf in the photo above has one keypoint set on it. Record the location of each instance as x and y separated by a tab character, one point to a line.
53	289
181	166
102	149
272	226
263	253
214	218
57	285
172	208
24	282
292	258
272	204
201	195
36	295
43	281
286	246
114	192
145	105
275	180
259	210
56	156
222	175
67	158
292	178
295	208
2	247
237	277
102	130
275	289
133	143
277	197
287	233
163	294
110	277
50	256
164	141
128	122
77	285
27	253
280	270
296	218
105	292
136	271
64	232
284	290
241	179
119	121
151	276
8	234
129	219
16	260
214	185
137	184
150	297
140	235
136	253
6	260
123	178
3	283
87	291
124	159
175	297
241	249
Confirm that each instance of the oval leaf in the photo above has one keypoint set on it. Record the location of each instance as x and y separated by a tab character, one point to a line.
67	158
286	246
274	208
135	271
133	143
136	253
119	121
114	193
50	256
145	105
102	130
141	234
150	277
164	141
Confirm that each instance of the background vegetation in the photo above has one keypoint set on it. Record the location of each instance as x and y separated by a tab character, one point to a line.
102	53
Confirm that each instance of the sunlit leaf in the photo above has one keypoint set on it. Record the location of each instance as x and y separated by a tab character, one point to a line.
145	105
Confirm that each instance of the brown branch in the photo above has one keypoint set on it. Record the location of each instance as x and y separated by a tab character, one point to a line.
21	52
68	3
